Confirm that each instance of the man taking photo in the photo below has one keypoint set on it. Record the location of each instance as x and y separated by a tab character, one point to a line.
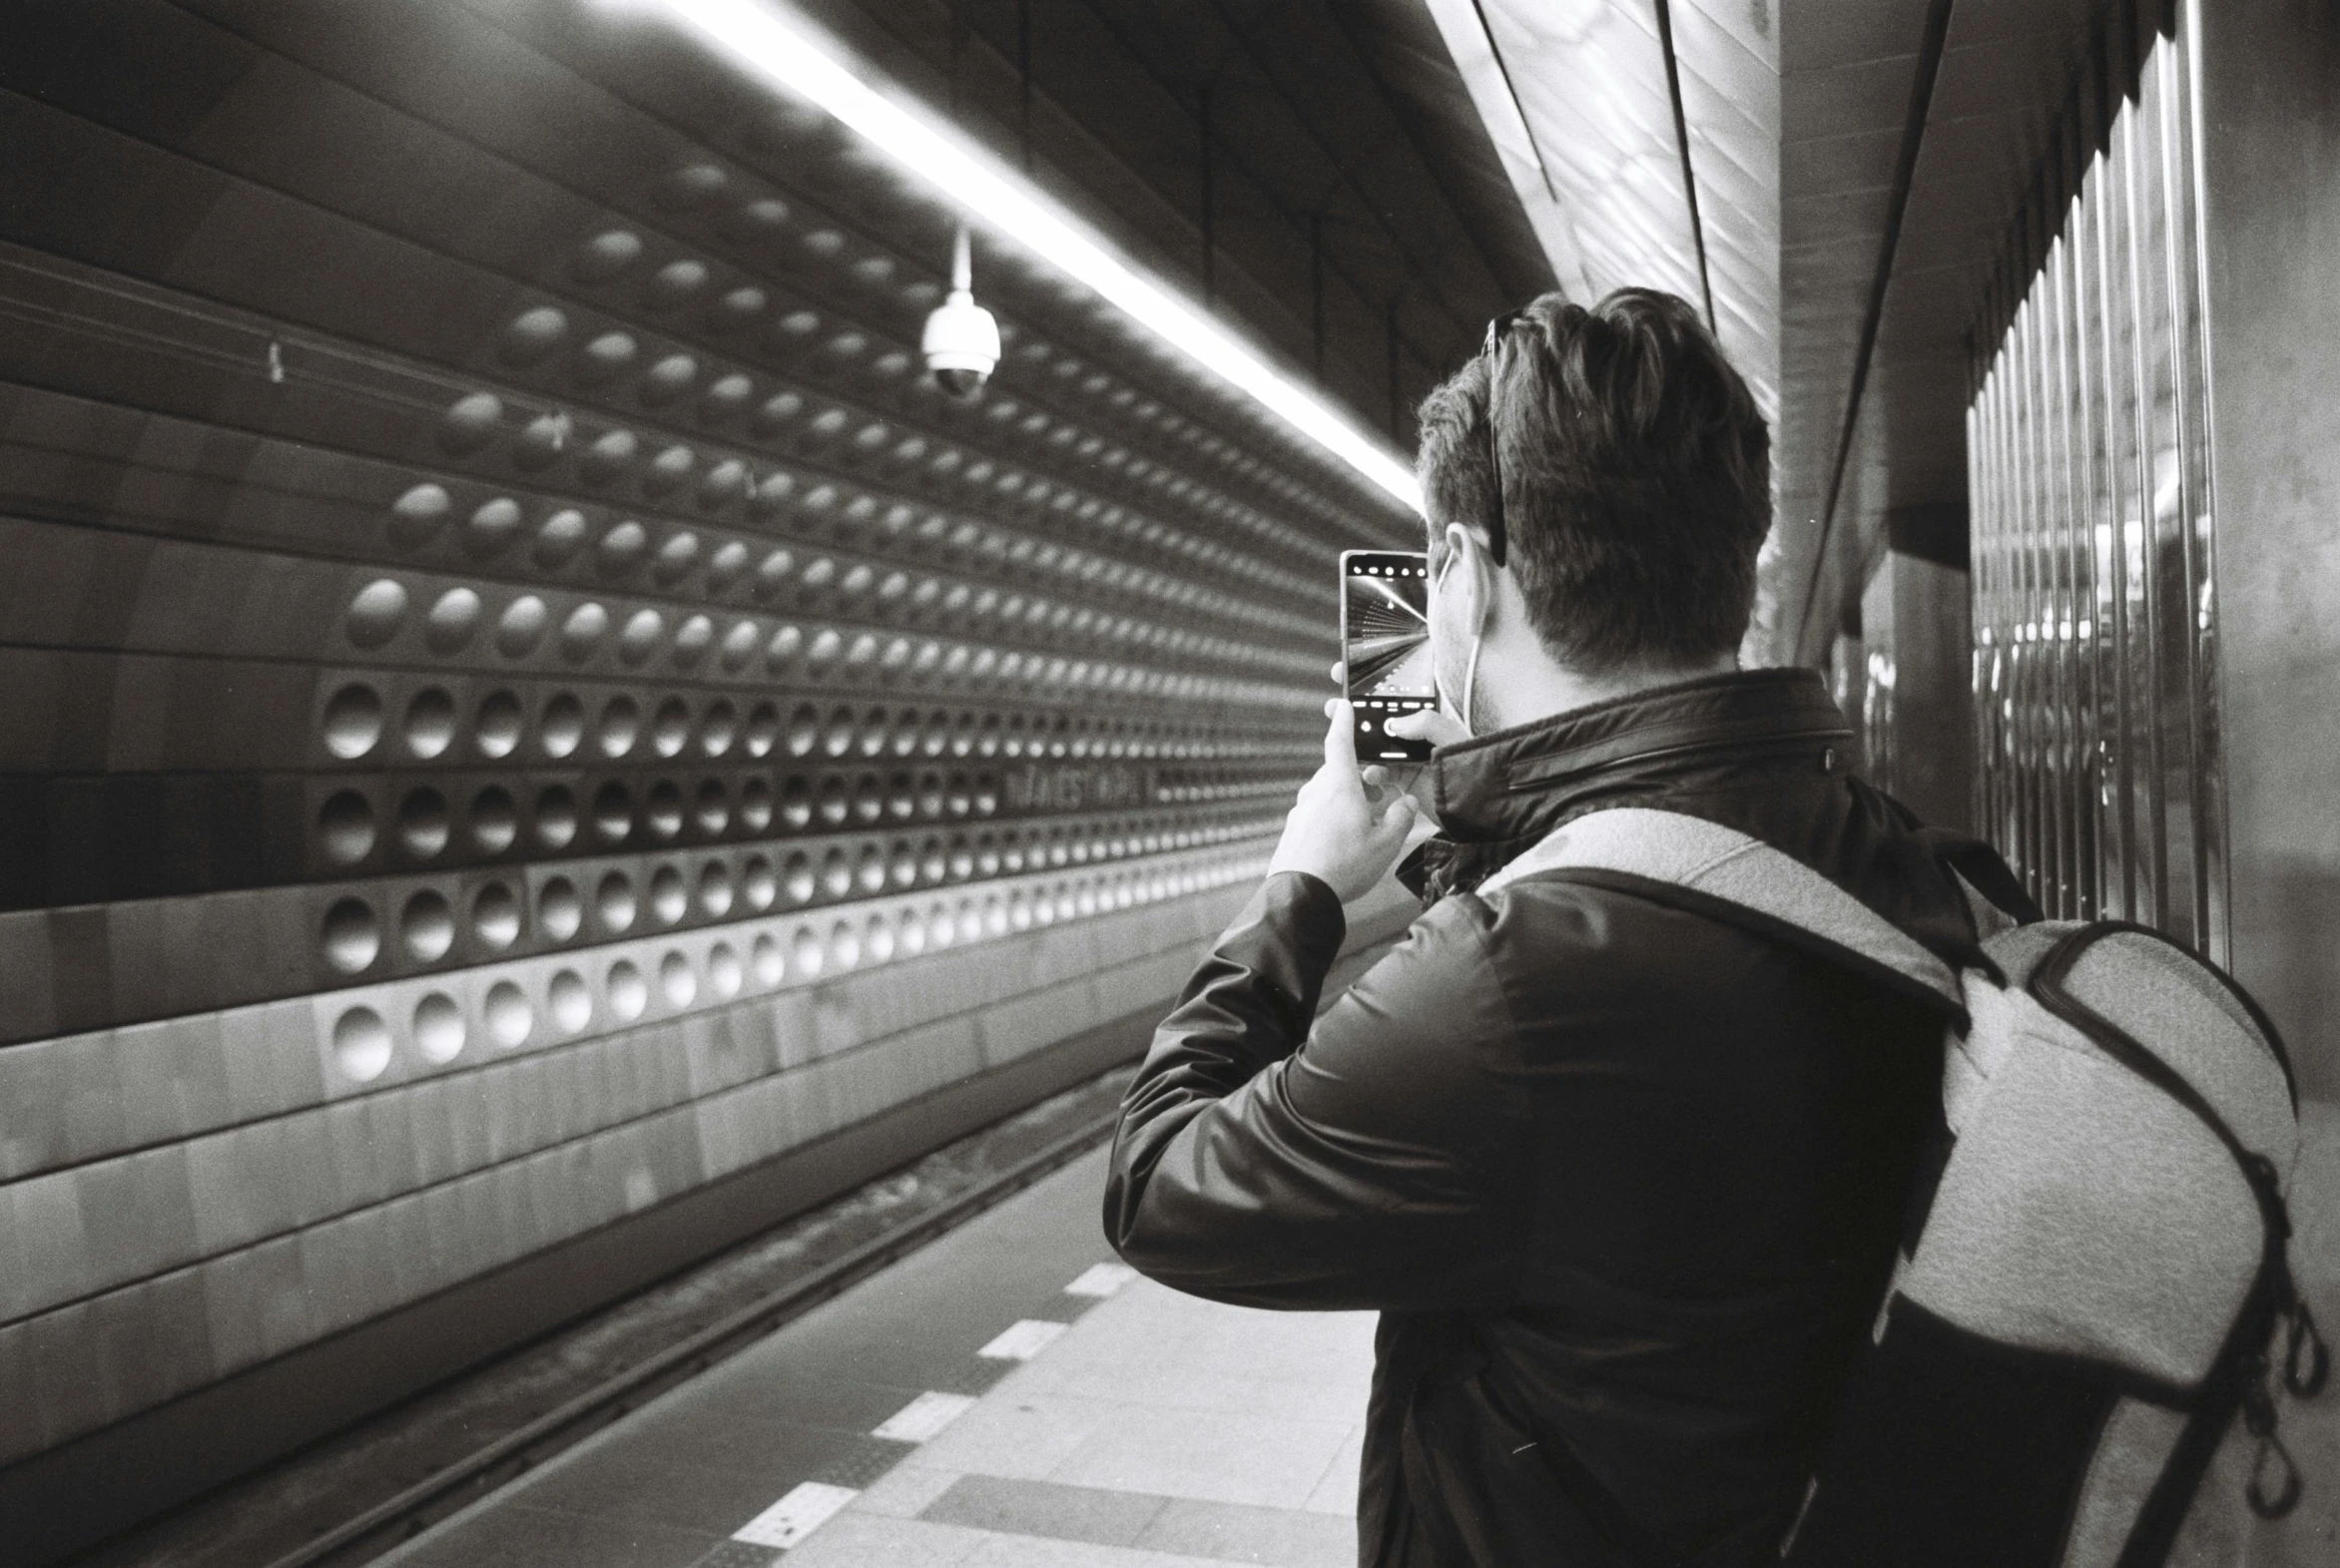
1623	1177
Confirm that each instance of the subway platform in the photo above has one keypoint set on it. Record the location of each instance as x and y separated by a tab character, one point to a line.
1010	1394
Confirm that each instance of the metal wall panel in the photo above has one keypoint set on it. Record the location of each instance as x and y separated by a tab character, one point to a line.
2090	476
517	698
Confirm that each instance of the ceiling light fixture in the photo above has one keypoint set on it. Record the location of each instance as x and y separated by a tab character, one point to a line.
778	47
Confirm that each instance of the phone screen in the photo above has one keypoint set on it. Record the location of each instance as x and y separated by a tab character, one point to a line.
1384	647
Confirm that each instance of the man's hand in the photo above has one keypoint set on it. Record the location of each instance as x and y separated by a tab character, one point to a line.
1424	724
1348	826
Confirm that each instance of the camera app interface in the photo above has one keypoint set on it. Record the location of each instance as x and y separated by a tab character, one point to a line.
1385	614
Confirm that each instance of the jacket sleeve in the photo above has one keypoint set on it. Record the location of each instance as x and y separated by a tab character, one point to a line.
1376	1161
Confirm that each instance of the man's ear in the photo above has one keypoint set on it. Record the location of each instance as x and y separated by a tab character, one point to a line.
1470	570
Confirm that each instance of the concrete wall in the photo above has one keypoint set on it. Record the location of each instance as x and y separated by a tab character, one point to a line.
2271	96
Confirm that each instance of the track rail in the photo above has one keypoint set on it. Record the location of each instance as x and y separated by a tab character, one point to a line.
518	1453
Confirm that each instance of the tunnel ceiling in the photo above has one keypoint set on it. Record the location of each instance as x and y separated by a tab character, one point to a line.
1350	186
1858	168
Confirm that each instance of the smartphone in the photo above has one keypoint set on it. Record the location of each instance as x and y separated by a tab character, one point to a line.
1384	647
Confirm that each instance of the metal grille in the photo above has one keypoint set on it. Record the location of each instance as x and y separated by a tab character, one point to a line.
2091	481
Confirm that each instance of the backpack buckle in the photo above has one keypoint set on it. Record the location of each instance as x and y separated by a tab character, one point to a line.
2305	1360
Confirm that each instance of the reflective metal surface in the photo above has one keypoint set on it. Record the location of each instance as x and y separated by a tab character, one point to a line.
2092	477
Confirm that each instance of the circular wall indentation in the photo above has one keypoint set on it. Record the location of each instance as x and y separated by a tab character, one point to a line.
668	379
676	557
725	973
756	804
621	550
569	1001
471	423
691	184
758	884
605	356
805	956
361	1045
712	811
605	255
676	982
692	640
377	613
669	469
611	454
715	889
877	940
674	284
613	812
563	725
439	1030
496	729
718	728
766	960
763	730
628	992
797	879
669	727
844	946
344	827
427	927
496	820
554	819
619	727
352	721
583	631
521	627
559	538
509	1017
670	900
492	528
418	516
353	937
739	645
430	727
495	916
532	334
560	914
422	823
453	621
613	901
640	639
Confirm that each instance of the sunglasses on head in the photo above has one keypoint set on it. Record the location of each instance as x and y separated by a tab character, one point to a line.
1499	332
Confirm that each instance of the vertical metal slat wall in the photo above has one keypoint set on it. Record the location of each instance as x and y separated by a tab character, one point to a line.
2092	479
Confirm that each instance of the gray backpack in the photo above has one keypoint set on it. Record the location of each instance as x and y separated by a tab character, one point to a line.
2095	1286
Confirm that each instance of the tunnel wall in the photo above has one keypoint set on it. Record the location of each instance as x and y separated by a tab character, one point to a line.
2270	80
519	704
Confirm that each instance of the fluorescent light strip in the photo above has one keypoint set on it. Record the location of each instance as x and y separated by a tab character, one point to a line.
790	53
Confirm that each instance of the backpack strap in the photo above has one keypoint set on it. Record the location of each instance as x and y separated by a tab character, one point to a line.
1692	863
1983	869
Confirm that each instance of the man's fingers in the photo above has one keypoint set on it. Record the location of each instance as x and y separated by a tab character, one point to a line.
1341	738
1396	821
1426	723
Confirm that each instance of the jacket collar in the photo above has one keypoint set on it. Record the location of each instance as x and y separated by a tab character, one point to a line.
1497	794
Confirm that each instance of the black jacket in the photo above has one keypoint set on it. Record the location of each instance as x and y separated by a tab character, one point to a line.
1625	1179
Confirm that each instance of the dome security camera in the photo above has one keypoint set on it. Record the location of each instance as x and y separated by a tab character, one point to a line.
962	341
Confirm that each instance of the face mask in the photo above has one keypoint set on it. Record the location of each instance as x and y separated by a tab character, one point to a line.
1460	714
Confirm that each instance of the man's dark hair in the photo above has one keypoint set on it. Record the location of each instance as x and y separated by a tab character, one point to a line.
1636	477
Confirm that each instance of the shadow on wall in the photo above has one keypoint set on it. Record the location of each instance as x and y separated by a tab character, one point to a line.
2221	1532
2290	971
